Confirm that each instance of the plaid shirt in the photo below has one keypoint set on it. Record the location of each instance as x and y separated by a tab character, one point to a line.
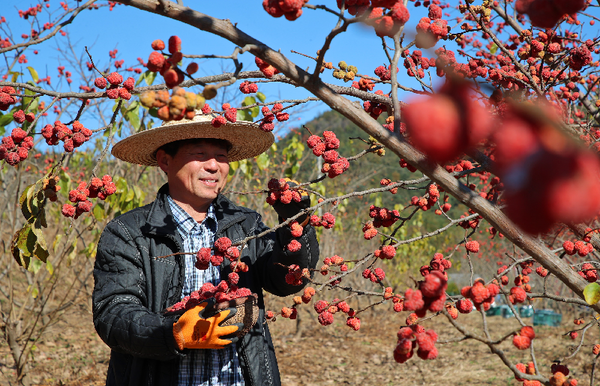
203	367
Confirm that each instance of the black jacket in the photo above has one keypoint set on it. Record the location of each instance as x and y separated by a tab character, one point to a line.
134	284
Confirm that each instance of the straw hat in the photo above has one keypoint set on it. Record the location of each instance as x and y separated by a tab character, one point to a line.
246	138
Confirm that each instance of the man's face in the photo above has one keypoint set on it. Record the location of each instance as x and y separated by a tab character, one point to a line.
197	173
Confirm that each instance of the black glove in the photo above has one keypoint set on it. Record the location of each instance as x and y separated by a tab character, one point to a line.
286	211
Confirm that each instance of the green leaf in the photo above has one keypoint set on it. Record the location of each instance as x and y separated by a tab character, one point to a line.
23	203
35	292
261	97
23	245
6	119
98	212
34	266
493	49
133	116
262	161
49	267
15	76
149	77
591	293
34	74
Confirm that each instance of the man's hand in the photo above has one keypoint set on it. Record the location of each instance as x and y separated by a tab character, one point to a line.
196	331
286	211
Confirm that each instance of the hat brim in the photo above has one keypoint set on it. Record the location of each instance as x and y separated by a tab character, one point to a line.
247	140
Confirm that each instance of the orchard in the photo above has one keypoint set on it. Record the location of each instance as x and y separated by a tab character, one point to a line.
477	154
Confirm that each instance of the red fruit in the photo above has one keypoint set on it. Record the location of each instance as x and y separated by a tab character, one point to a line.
472	246
413	300
434	285
18	134
68	210
528	332
172	78
222	244
112	93
100	82
115	78
573	335
158	45
294	246
521	342
447	124
174	44
129	83
517	295
156	61
192	68
464	306
19	116
325	318
354	323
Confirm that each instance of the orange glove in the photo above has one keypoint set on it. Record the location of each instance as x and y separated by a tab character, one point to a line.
194	330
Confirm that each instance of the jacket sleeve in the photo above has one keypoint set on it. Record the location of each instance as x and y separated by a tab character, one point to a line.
120	304
273	257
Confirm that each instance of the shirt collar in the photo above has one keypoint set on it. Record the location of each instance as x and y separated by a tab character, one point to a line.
186	224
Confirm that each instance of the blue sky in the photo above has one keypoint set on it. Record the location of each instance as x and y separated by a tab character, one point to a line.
131	31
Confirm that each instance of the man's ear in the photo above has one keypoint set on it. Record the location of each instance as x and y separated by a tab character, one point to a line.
163	160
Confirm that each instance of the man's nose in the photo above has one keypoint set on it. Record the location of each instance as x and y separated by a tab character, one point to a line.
211	164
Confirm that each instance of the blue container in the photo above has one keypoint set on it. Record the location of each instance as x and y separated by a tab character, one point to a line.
546	318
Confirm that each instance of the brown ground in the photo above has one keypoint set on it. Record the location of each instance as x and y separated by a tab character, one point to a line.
71	354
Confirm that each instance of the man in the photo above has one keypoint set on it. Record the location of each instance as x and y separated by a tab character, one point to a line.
139	269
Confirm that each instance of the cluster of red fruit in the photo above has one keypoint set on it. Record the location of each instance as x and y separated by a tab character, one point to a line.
15	147
416	64
222	249
415	336
229	114
430	296
247	87
180	104
70	138
326	221
295	275
559	376
167	66
19	116
364	84
334	260
113	81
6	100
280	190
98	188
579	247
327	310
382	217
374	109
291	9
479	296
437	263
431	29
387	17
561	177
292	312
222	292
325	147
425	203
264	67
447	124
376	275
522	340
546	13
276	112
588	272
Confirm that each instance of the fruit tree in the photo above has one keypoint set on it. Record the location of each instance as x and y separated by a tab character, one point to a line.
488	108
